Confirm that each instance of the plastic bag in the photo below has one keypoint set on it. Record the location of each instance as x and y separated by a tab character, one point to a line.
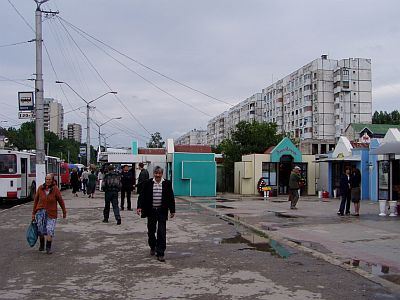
32	234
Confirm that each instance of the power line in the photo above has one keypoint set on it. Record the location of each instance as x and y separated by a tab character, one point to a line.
145	66
15	44
103	80
21	16
17	82
145	79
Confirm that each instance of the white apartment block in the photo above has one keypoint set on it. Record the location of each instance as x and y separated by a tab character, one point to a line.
193	137
73	132
316	103
53	117
221	126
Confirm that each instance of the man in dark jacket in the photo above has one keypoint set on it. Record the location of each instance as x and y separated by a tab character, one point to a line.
126	187
345	192
294	187
155	199
143	176
111	186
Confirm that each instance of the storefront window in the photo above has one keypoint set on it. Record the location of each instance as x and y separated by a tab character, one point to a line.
269	173
383	180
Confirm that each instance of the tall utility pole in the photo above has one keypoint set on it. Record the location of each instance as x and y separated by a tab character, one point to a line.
39	124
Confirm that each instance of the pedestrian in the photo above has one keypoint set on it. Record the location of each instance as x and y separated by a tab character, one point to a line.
355	183
75	182
111	187
345	192
126	187
45	211
155	199
143	176
294	187
84	178
91	185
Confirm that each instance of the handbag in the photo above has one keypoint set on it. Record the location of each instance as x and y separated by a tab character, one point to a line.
32	234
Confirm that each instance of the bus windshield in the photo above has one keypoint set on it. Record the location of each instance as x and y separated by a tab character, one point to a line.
8	164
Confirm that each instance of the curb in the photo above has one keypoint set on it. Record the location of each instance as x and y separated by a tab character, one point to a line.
282	240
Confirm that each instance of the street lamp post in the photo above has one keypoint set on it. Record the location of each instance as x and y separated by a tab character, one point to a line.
99	126
87	117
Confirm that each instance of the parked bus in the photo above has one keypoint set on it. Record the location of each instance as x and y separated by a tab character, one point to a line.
65	175
18	173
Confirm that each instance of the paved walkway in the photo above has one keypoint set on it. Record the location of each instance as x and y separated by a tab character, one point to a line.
369	244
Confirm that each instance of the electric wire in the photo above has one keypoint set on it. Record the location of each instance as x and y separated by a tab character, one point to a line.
103	80
145	79
21	16
15	44
145	66
17	82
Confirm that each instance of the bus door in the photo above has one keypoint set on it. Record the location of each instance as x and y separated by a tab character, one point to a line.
24	177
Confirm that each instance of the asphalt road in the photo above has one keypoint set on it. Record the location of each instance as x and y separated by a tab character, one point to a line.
207	258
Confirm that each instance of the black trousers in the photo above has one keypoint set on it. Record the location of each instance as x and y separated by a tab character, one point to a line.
346	201
111	198
126	191
157	222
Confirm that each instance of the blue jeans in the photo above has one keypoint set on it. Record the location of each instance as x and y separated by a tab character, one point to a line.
158	243
111	197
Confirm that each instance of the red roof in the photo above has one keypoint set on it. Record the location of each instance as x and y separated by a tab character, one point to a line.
193	148
152	151
359	145
269	150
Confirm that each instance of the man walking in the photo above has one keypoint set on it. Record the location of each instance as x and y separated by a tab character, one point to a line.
143	176
127	186
155	199
111	187
294	180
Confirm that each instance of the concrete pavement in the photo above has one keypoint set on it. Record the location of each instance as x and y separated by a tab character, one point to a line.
368	244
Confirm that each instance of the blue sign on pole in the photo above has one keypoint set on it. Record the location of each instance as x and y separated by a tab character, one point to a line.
82	150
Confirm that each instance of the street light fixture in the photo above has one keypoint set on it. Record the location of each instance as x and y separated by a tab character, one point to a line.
99	126
87	116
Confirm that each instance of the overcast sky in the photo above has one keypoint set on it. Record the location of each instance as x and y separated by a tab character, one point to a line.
227	49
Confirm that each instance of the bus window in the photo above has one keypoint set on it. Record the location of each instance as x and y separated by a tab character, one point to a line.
8	164
33	163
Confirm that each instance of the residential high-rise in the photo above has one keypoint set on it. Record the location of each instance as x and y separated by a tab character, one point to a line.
313	105
316	103
193	137
53	116
73	132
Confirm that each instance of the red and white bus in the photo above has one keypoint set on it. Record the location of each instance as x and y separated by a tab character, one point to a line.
18	173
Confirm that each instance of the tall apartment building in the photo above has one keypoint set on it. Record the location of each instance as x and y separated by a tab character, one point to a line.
313	105
73	132
316	103
53	116
221	126
193	137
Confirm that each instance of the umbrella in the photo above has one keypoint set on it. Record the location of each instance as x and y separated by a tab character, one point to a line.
387	148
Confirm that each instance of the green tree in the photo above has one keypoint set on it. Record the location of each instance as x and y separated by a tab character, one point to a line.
156	141
247	138
383	117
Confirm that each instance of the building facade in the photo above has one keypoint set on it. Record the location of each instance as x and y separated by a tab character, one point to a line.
193	137
313	105
73	132
53	116
221	127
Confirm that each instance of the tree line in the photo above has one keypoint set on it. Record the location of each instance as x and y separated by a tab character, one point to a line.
23	138
383	117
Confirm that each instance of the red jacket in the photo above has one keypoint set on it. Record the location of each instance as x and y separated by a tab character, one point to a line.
49	202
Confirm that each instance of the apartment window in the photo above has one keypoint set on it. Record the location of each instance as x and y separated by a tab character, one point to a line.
346	72
315	75
315	86
297	112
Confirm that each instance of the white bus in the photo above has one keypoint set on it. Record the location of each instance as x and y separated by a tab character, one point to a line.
18	173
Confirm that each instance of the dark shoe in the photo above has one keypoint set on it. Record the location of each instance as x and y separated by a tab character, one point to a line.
348	213
161	258
152	252
119	222
105	221
339	213
41	246
122	208
355	215
48	247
